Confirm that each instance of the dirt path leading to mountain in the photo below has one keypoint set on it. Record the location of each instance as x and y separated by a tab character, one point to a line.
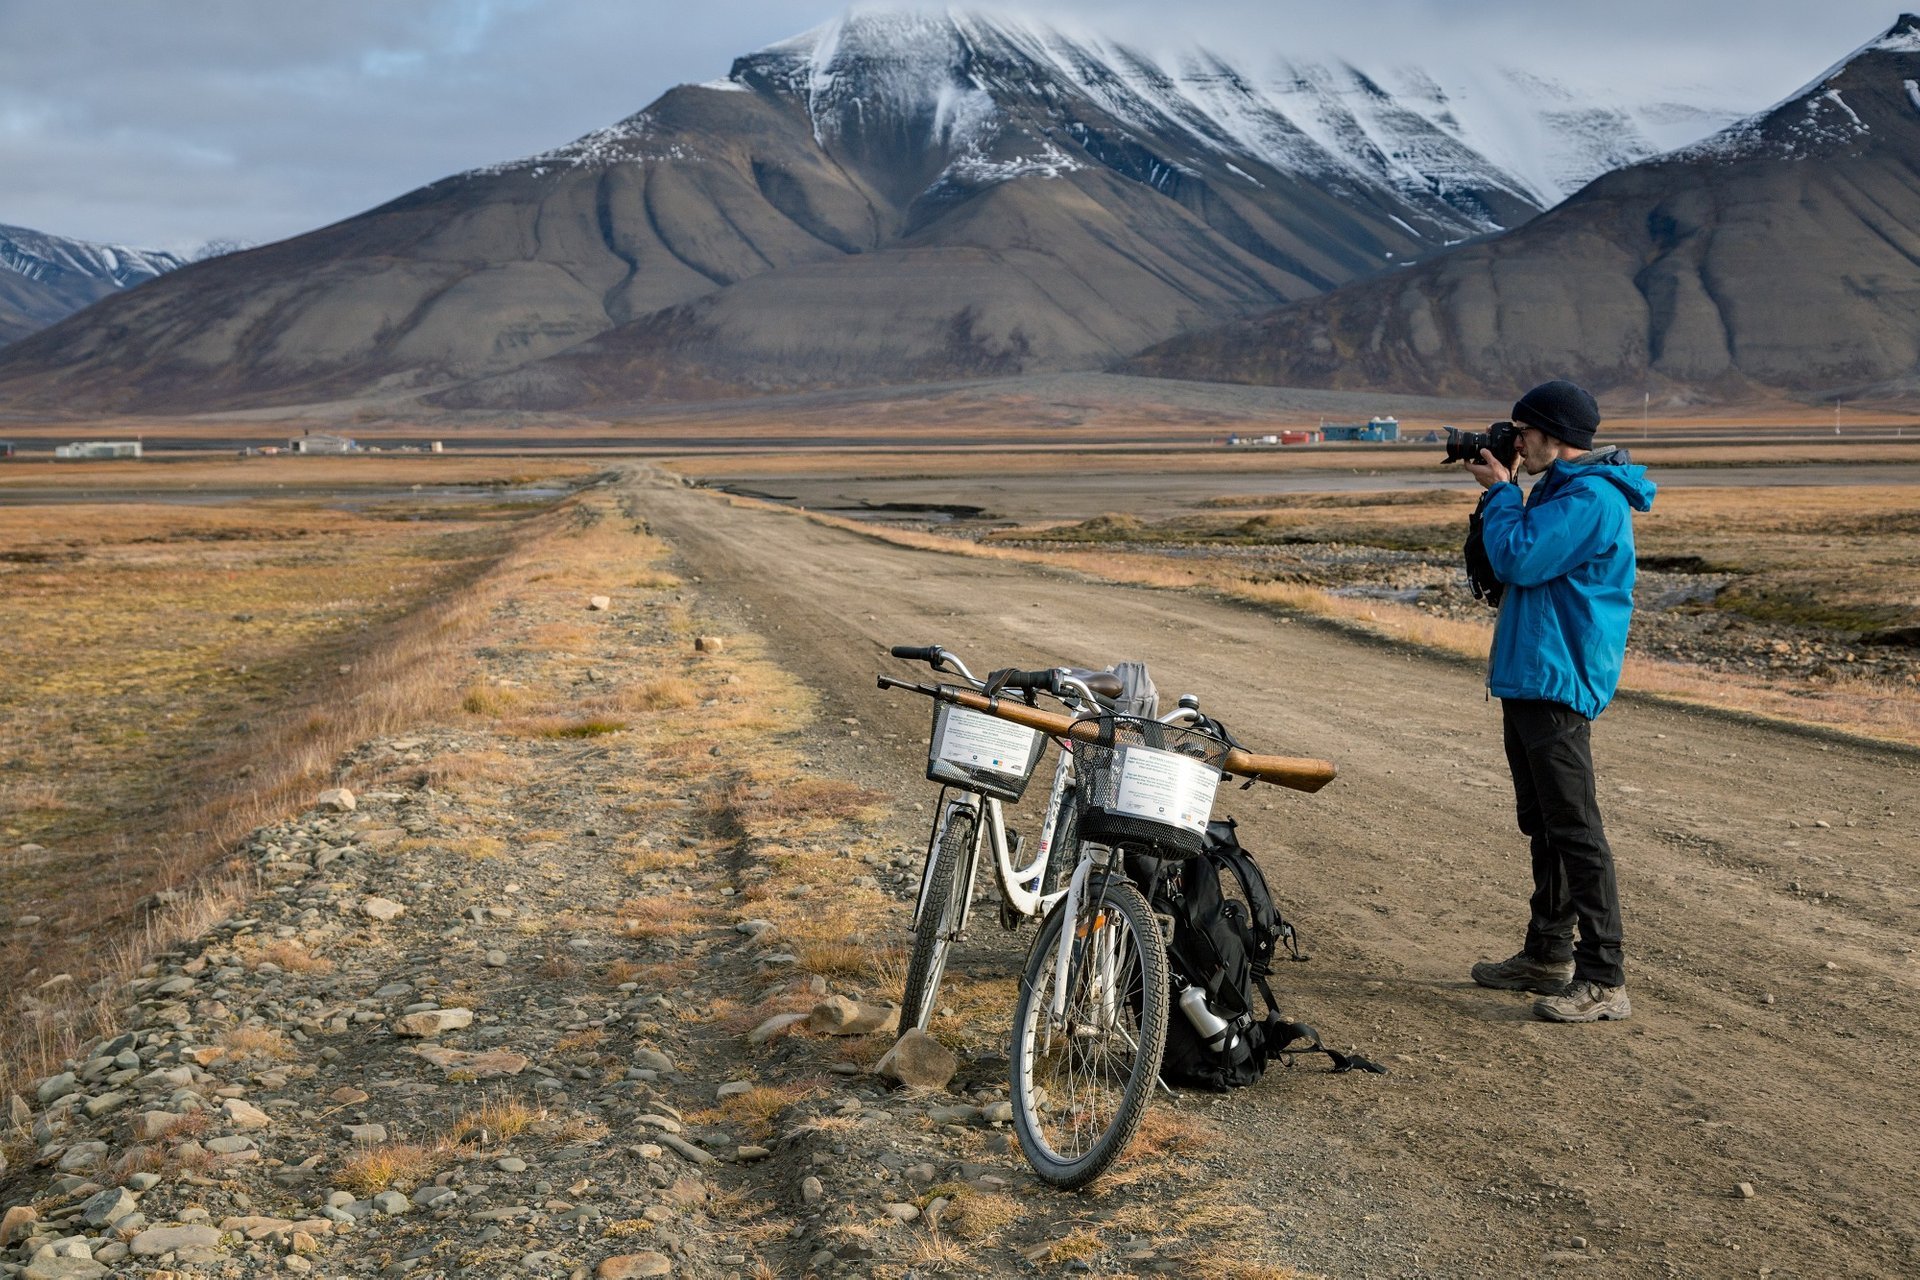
1769	879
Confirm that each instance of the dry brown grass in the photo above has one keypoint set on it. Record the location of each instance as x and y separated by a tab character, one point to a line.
803	799
666	693
971	1214
559	967
256	1042
492	700
288	640
1166	1132
399	1166
584	1041
290	956
500	1118
566	727
666	917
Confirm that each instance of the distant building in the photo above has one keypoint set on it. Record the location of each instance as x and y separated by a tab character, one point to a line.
321	442
1272	439
99	449
6	448
1376	430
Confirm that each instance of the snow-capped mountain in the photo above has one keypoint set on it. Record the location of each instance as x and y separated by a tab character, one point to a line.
45	278
1782	252
894	196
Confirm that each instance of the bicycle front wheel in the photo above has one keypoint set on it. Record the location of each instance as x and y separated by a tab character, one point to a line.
939	917
1082	1080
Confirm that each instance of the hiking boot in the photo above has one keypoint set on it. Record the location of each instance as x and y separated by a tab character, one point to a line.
1585	1002
1524	973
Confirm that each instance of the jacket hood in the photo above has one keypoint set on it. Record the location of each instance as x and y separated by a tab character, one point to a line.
1615	466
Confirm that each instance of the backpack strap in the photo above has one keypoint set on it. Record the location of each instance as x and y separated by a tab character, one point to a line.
1282	1034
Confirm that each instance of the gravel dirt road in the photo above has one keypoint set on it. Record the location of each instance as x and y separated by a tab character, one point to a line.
1769	880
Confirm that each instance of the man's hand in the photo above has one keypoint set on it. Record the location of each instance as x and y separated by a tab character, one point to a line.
1489	471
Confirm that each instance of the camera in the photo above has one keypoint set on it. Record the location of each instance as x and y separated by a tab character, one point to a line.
1502	440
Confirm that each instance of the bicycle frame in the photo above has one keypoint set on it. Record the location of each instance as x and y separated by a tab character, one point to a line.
1076	889
1018	885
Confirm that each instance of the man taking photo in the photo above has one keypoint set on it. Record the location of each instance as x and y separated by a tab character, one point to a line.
1564	554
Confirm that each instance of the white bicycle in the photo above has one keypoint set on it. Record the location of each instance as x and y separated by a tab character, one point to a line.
1090	1023
983	762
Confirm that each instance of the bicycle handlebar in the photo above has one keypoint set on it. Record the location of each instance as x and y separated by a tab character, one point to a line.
1297	772
916	652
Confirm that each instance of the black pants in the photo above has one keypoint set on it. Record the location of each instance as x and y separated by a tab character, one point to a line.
1550	753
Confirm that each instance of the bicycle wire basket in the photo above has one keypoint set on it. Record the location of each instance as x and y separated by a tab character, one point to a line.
978	752
1148	786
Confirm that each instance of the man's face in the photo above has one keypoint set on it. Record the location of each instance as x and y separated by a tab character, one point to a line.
1537	450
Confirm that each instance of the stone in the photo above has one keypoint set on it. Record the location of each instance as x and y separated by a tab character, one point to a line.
733	1089
303	1242
496	959
347	1096
142	1181
382	909
392	1203
82	1156
634	1266
49	1267
428	1196
775	1027
108	1207
651	1058
901	1212
367	1133
56	1087
244	1116
749	1153
231	1145
1745	1190
16	1223
510	1164
95	1107
488	1064
155	1241
918	1061
431	1022
599	604
839	1016
709	644
812	1191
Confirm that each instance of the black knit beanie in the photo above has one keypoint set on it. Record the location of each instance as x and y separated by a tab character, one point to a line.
1562	410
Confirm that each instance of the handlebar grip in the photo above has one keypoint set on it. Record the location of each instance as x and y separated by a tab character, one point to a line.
915	652
1042	680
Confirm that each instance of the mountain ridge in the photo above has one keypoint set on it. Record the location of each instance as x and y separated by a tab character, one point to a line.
890	197
1780	254
44	277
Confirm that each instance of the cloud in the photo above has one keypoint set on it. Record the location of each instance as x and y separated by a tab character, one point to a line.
171	125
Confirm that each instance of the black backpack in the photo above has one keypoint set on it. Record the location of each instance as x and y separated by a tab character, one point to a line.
1224	941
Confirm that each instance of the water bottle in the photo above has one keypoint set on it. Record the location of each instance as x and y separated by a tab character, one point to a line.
1212	1027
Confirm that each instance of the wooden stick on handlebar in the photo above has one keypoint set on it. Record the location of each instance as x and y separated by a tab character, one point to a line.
1298	772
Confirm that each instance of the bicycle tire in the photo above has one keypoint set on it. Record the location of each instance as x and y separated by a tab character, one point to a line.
1067	1061
931	945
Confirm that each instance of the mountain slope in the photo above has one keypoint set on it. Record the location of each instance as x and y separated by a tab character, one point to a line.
1783	252
45	278
893	196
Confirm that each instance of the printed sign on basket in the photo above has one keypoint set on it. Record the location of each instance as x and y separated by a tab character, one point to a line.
1164	786
974	740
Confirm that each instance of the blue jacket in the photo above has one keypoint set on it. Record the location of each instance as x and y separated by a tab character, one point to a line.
1566	555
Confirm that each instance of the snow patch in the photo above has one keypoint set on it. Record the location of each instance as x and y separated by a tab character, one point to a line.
1913	92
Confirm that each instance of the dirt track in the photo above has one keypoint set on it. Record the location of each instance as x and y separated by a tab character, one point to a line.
1497	1141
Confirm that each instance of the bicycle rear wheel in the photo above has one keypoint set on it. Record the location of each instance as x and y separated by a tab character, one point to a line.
1081	1082
939	914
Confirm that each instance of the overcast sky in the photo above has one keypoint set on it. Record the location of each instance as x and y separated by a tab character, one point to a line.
169	125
